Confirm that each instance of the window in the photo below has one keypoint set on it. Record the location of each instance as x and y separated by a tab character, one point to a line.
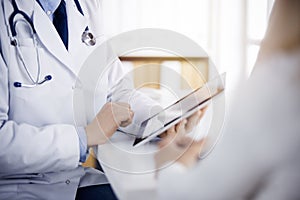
258	12
189	17
230	31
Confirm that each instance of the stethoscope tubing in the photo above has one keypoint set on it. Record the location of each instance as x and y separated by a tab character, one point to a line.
87	38
14	14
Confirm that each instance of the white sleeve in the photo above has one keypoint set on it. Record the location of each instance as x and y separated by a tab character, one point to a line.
28	149
124	91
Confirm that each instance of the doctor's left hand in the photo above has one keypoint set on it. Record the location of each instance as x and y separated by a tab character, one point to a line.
179	148
186	125
107	121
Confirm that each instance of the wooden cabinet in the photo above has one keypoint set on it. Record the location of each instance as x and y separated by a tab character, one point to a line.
194	70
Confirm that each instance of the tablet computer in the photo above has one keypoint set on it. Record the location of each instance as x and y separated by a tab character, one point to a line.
181	109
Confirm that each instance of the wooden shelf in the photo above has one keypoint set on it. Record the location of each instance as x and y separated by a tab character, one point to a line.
194	70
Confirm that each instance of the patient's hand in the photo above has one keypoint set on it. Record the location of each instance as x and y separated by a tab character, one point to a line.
178	148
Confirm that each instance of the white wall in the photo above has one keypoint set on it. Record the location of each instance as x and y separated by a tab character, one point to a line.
219	26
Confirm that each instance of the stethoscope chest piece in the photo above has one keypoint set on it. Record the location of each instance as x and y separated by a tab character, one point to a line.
88	38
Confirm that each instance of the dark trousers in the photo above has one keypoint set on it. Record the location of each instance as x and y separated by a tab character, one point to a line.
96	192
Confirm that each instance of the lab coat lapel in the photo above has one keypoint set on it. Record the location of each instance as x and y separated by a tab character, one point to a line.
49	36
76	24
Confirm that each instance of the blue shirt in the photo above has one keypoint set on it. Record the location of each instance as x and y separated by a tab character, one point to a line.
49	6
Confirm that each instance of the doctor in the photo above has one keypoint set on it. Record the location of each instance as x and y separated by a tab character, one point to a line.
42	47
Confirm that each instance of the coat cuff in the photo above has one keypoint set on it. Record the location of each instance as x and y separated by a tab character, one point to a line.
82	144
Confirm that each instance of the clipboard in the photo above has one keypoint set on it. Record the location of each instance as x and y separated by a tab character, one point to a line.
181	109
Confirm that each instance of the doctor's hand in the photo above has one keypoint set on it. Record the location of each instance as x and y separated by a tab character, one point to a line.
181	149
187	125
107	121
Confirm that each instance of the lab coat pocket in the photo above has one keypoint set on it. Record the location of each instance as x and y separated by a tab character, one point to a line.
31	105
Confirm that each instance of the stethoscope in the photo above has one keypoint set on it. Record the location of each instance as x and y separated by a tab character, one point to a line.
87	38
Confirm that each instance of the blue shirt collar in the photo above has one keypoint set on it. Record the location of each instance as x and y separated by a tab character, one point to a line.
49	6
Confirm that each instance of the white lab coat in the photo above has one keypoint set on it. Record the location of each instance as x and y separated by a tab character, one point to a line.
39	143
258	157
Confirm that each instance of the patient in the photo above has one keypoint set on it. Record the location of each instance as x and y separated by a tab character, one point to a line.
258	157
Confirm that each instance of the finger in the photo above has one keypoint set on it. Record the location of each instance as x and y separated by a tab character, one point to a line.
124	105
171	131
165	141
203	111
192	121
200	116
126	123
131	114
180	127
126	115
168	133
128	118
163	135
195	115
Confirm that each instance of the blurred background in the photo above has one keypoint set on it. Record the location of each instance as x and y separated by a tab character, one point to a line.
229	31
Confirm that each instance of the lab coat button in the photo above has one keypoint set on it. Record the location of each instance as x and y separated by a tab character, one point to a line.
68	181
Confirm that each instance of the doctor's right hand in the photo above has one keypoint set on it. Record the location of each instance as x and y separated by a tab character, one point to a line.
107	121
